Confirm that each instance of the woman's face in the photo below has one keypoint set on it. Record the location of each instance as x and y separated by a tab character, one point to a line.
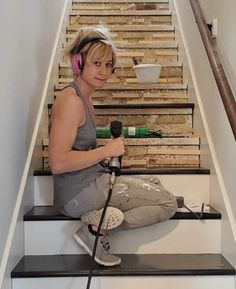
97	71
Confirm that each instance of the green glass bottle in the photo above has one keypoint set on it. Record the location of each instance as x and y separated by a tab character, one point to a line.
130	132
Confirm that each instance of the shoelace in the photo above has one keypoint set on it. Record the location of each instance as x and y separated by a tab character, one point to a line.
106	245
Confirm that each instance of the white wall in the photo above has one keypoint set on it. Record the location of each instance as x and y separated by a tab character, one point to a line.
224	12
27	31
219	134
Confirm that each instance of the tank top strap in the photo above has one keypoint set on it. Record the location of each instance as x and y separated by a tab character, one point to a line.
88	112
76	88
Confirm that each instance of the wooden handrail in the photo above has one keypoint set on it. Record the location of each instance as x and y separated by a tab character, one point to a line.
216	66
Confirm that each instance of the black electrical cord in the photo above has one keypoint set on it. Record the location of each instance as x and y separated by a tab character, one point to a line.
116	129
112	182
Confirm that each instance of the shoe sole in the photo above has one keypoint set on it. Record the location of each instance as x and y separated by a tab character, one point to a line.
113	218
86	248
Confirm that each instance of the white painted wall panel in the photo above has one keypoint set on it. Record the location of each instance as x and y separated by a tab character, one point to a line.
27	31
224	12
220	137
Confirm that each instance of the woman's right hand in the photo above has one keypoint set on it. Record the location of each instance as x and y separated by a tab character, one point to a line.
115	147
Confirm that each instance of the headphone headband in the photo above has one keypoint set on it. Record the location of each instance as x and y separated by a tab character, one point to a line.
85	41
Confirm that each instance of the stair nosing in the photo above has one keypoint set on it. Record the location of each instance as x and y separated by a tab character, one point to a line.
50	213
141	106
160	171
108	13
145	265
120	1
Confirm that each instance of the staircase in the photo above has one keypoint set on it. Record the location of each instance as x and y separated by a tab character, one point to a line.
184	252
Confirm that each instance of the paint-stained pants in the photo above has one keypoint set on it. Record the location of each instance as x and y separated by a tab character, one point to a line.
143	200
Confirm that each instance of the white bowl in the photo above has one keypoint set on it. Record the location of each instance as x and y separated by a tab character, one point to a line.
147	73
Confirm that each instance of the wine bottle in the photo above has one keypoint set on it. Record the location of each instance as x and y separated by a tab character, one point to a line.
130	132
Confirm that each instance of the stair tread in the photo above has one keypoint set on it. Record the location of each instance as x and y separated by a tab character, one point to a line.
137	86
140	106
120	1
160	171
132	265
109	13
133	27
145	105
51	213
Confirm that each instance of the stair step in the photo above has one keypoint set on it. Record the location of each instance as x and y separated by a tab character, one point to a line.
174	119
171	93
139	86
120	1
186	271
122	13
135	17
157	90
65	66
118	6
49	213
193	183
132	265
121	79
125	71
148	33
148	153
157	171
160	36
49	232
140	97
147	45
130	28
191	141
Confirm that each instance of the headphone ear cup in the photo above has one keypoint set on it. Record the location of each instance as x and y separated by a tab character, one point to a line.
76	63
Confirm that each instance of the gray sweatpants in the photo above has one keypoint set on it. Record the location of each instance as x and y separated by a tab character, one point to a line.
143	200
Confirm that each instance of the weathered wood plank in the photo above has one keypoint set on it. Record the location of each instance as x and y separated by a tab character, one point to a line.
120	1
122	13
130	27
138	86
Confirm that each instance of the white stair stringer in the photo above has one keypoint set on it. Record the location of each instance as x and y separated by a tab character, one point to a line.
194	188
128	282
173	236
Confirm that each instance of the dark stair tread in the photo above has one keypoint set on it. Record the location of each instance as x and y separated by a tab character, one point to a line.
158	171
51	213
146	105
142	105
131	265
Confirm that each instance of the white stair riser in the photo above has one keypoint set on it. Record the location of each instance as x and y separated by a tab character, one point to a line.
173	236
124	282
195	188
43	191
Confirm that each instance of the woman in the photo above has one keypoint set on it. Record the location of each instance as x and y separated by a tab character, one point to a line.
80	180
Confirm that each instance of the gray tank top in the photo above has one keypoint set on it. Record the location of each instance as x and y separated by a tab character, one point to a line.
68	185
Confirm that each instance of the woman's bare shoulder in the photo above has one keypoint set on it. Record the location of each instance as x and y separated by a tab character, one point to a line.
68	95
68	99
68	106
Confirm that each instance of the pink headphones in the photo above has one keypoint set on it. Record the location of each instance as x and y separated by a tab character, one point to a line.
77	59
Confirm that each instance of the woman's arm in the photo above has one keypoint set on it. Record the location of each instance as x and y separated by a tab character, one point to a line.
69	114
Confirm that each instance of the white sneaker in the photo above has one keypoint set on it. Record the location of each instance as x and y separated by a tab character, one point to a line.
113	218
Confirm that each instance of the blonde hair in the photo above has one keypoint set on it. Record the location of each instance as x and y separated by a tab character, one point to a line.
94	49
